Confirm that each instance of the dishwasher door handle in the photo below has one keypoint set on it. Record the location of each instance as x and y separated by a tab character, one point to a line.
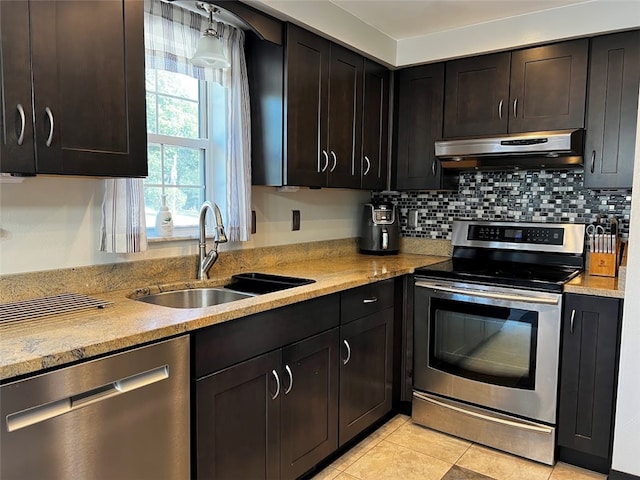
40	413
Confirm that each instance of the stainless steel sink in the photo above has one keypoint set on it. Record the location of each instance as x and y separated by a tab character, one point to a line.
194	297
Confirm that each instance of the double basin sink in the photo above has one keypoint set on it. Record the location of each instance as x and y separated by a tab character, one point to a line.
245	285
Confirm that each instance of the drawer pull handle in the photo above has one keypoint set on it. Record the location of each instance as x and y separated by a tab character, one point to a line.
275	375
370	300
346	360
286	367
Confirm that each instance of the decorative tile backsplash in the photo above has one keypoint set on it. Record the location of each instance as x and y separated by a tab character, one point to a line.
523	196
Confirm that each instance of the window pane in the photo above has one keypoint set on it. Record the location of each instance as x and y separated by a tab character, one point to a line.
150	77
185	203
177	85
152	202
183	166
154	163
178	118
152	114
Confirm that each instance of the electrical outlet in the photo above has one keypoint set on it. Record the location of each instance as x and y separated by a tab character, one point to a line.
412	219
253	221
295	220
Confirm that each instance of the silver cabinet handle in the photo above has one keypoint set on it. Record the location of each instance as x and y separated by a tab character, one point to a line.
573	316
593	161
275	375
40	413
433	167
515	108
326	161
346	360
366	159
500	110
286	367
370	300
335	161
23	122
50	137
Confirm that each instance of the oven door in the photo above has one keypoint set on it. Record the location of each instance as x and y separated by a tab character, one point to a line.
489	346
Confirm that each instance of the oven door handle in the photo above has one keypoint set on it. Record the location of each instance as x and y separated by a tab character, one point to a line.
494	296
511	423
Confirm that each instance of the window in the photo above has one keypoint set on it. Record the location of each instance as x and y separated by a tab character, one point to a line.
186	128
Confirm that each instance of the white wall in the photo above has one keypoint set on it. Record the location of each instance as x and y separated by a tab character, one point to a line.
627	428
49	223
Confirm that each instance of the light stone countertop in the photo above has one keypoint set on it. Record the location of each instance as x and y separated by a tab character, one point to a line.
33	345
593	285
30	346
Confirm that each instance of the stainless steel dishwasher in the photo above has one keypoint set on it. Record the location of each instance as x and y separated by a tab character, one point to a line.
125	416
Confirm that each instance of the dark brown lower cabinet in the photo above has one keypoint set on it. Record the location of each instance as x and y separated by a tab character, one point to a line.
274	416
588	379
365	372
238	422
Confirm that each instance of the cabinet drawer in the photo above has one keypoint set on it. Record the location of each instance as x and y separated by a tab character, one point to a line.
231	342
362	301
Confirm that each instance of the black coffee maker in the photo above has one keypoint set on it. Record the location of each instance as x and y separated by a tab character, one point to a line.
379	229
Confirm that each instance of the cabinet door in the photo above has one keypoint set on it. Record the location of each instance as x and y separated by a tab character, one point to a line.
307	85
344	142
309	403
238	420
419	124
477	96
89	91
588	374
16	117
614	75
548	87
375	126
365	372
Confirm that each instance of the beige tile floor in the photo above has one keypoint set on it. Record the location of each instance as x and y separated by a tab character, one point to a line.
401	450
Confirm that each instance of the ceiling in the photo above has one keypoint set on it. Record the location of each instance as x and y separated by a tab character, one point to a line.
401	19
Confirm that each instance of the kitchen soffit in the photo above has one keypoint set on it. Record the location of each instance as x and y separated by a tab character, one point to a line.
401	19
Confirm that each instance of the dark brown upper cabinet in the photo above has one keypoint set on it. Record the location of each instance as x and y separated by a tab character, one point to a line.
323	112
375	126
614	76
74	97
534	89
419	103
476	95
308	102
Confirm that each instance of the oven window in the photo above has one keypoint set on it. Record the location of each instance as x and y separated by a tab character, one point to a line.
494	345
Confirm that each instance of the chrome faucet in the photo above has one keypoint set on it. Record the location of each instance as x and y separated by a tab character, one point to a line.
206	260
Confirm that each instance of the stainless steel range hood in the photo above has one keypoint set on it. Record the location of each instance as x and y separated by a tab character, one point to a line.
535	150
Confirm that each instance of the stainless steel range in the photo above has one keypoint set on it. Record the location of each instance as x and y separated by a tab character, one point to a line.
487	329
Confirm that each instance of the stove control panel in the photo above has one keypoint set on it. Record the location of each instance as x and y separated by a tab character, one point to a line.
514	234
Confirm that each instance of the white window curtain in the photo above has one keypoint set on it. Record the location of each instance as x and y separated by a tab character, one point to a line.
171	36
123	220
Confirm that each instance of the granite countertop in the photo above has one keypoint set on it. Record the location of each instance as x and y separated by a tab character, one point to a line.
30	346
593	285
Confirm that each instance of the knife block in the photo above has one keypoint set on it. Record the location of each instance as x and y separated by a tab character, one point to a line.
603	264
